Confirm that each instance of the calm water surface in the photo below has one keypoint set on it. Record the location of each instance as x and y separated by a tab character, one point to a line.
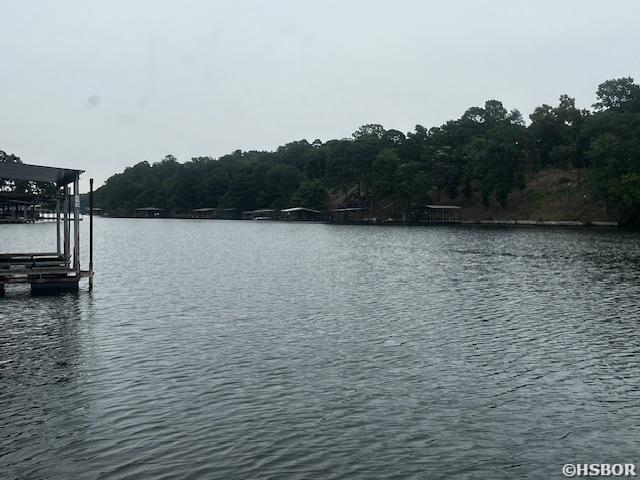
221	349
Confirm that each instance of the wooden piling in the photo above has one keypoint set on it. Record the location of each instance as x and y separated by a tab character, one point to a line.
90	234
76	224
58	248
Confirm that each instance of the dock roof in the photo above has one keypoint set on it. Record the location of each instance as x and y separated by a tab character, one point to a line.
38	173
350	209
214	209
263	210
299	209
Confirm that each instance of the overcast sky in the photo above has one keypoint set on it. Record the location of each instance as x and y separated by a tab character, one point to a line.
103	85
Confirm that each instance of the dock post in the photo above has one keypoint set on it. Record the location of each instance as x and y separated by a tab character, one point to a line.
76	225
90	234
58	249
66	223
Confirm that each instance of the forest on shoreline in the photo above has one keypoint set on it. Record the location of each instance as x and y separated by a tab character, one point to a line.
486	154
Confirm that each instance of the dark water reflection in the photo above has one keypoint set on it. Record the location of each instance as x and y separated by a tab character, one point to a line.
263	350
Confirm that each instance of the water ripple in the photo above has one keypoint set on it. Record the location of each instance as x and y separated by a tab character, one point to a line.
243	350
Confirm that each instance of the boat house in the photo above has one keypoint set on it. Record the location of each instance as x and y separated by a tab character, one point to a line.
203	213
16	211
347	215
302	214
261	214
442	214
50	270
217	213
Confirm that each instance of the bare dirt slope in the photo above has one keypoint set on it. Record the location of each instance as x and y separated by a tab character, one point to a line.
550	195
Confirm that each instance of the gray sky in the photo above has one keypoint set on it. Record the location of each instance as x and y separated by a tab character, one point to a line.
104	85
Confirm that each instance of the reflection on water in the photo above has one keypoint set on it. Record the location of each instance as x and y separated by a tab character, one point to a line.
41	392
219	349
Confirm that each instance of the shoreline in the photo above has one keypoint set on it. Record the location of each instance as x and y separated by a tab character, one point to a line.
544	223
503	222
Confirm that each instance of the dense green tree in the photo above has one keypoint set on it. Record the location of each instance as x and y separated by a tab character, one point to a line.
243	192
555	130
413	183
372	130
385	168
311	194
342	174
619	94
282	182
488	152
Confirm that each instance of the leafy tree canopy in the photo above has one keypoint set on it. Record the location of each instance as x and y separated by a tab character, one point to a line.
487	151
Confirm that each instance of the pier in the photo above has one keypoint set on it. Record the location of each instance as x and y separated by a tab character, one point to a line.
53	270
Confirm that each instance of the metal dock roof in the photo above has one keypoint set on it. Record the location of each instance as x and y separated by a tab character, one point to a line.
38	173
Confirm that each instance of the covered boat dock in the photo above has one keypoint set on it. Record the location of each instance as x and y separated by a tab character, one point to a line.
52	270
348	215
216	213
442	214
302	214
17	211
262	214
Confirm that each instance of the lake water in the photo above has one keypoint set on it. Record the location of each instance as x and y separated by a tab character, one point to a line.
222	349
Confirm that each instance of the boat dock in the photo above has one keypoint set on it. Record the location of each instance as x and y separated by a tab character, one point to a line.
49	271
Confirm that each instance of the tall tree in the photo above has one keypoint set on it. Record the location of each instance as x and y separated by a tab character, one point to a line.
620	93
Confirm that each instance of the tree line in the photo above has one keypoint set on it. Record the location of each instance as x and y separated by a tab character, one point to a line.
489	152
